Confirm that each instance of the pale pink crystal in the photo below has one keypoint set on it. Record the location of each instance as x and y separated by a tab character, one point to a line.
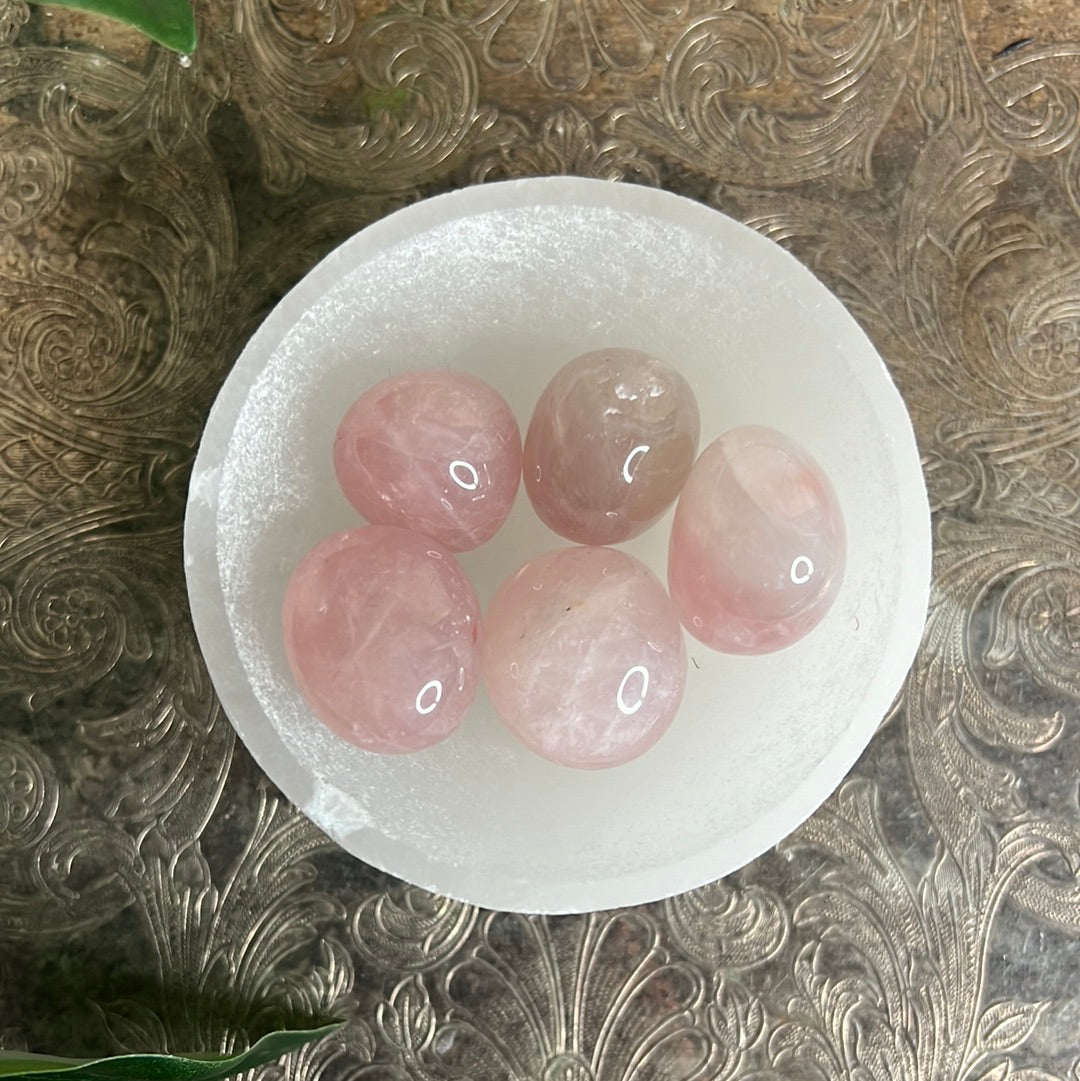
437	452
380	631
583	657
610	444
758	544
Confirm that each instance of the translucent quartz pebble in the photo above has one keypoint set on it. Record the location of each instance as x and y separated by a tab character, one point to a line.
758	546
583	656
437	452
380	631
610	443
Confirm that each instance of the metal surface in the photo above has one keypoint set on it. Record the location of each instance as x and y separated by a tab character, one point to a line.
155	892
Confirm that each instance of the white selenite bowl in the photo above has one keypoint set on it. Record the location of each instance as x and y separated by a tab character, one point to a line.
509	281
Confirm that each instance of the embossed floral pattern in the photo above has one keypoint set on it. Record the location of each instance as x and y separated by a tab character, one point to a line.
72	620
568	143
1037	624
856	980
76	341
565	42
587	999
28	795
409	930
1060	614
13	16
404	95
32	174
925	924
724	926
1056	348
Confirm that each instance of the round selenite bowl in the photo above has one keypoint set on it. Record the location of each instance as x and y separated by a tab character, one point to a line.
508	282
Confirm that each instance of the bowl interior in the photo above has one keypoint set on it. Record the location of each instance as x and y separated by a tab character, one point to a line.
508	282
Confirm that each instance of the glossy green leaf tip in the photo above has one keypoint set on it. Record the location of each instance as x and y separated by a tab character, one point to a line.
19	1066
168	22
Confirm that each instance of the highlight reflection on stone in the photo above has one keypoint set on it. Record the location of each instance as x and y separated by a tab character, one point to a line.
438	452
610	444
583	657
758	544
380	630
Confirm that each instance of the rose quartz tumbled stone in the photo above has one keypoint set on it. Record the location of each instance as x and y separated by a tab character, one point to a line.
583	657
380	631
436	452
758	545
610	443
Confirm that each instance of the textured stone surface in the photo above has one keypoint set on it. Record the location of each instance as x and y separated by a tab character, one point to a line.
610	443
583	657
380	630
758	543
438	452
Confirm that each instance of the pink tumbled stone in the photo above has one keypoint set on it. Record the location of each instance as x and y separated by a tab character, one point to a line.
380	631
610	444
758	546
436	452
583	657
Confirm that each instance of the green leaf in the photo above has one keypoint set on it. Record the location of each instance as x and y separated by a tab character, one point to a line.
169	22
19	1066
